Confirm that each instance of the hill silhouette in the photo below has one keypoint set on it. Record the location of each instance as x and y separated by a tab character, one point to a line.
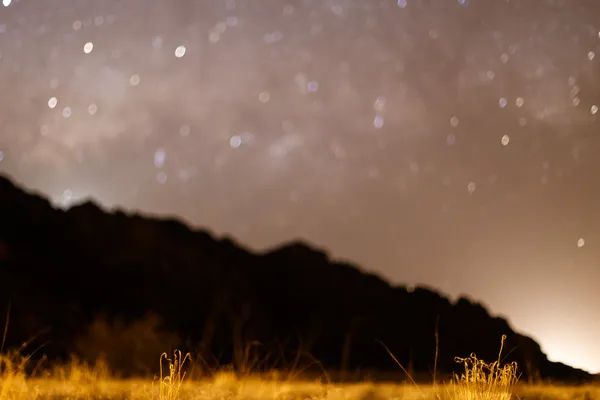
91	282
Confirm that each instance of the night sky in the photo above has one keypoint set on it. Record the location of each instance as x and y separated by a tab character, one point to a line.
453	143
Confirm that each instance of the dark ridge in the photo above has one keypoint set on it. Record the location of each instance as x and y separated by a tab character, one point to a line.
91	282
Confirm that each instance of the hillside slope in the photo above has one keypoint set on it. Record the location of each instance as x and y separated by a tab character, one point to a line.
89	281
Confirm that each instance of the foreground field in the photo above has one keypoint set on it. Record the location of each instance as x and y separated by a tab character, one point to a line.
479	381
225	388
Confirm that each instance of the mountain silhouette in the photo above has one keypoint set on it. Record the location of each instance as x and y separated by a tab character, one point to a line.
89	283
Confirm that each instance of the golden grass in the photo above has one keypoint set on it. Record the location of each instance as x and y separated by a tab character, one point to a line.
170	386
483	381
80	381
256	389
12	377
230	388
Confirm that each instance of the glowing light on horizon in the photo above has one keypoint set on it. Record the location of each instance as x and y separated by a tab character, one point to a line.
577	357
68	199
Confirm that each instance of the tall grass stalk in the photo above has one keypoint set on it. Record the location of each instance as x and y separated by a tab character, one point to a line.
170	385
483	381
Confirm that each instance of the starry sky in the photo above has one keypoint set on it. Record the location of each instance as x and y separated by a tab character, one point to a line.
452	143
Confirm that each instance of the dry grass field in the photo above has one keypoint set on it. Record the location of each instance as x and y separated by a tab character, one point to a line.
226	387
479	381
